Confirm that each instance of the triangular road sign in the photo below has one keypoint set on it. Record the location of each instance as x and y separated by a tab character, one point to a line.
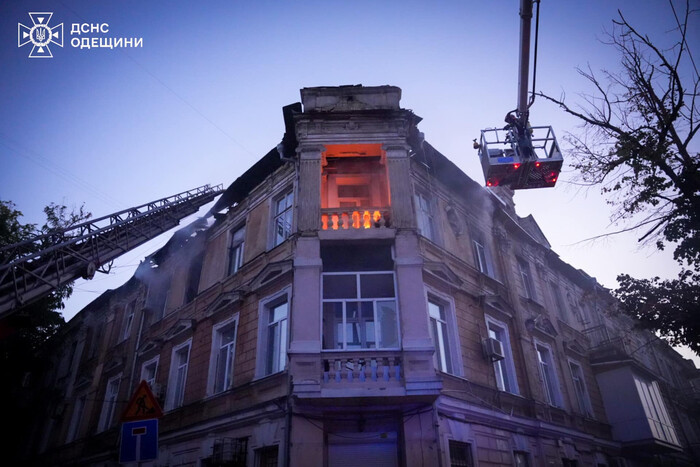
142	406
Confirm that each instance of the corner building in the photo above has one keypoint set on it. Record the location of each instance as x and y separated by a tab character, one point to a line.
357	300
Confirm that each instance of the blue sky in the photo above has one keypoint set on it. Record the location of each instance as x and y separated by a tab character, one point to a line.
201	100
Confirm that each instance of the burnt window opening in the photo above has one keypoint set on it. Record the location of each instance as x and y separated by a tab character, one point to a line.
193	276
356	257
354	176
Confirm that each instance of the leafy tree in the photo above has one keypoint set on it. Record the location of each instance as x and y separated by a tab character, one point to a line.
25	331
638	129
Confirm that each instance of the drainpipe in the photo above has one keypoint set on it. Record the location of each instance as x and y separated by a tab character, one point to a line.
288	424
138	343
436	425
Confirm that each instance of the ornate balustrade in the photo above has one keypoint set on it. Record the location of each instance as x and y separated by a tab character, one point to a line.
355	218
361	367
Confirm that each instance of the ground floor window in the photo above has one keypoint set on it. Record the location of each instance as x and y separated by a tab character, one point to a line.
460	454
267	456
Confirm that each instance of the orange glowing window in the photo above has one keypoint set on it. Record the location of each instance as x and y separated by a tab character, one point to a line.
354	176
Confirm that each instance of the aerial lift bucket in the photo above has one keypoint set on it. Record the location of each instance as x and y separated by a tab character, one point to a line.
533	160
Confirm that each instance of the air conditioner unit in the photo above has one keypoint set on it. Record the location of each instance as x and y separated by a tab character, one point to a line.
493	349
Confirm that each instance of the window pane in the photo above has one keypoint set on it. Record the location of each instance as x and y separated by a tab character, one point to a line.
282	355
388	324
377	285
436	311
332	325
272	347
339	286
278	312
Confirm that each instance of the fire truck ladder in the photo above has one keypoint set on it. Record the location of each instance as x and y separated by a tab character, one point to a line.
32	268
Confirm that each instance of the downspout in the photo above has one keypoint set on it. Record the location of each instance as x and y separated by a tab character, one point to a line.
288	423
138	343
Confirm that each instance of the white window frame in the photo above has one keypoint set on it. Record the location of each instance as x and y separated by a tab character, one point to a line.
504	369
549	374
129	316
76	418
448	305
580	388
526	278
288	211
236	250
655	410
264	308
110	401
482	258
155	361
176	394
358	298
425	215
216	347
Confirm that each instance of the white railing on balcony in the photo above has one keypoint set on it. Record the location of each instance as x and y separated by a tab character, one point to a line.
356	218
361	367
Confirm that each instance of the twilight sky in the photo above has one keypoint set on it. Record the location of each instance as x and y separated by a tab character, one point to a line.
201	101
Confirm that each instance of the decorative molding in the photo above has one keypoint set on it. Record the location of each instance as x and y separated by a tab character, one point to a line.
181	326
270	272
442	272
224	300
149	346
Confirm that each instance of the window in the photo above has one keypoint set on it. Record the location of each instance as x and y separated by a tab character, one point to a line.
223	352
482	258
235	250
359	311
267	456
460	454
282	223
128	319
522	459
549	375
526	278
426	223
110	401
441	333
655	410
584	402
558	301
272	350
504	369
75	419
194	272
149	371
178	375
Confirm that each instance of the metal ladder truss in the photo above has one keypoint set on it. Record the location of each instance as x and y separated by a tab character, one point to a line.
32	268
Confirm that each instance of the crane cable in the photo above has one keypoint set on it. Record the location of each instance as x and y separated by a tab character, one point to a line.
534	65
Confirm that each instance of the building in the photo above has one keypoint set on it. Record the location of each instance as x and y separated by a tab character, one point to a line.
356	299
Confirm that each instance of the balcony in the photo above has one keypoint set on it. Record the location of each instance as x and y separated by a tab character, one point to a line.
356	218
350	367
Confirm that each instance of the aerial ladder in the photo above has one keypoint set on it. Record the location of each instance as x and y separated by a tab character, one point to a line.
33	268
518	155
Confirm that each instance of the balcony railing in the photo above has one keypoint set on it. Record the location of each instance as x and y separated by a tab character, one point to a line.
356	218
356	367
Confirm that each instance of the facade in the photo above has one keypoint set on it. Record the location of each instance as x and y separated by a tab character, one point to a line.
356	299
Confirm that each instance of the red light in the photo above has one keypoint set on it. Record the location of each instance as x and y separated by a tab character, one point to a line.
554	179
488	183
516	166
537	164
